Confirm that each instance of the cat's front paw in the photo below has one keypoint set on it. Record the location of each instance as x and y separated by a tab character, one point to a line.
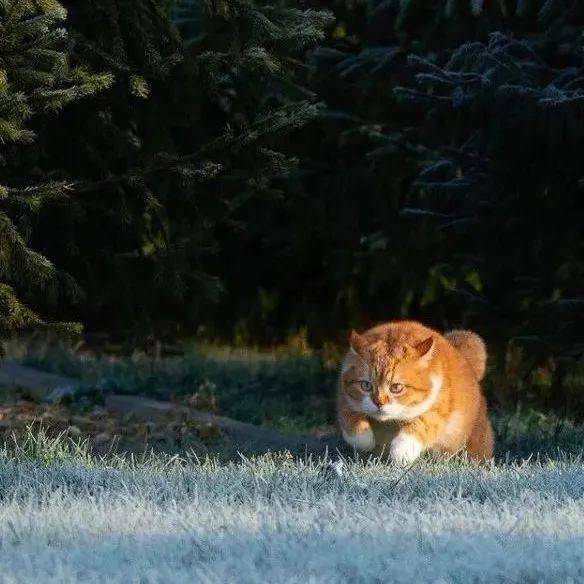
404	449
363	440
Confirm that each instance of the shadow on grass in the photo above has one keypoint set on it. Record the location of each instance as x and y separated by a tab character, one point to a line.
289	556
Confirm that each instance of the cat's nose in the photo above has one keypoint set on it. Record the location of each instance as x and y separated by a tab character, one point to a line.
378	400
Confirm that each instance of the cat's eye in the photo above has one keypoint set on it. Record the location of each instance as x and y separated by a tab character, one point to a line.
366	385
396	387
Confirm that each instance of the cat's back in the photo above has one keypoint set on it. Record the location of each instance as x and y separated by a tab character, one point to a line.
401	331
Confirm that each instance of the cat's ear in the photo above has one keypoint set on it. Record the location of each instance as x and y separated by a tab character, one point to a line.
425	350
357	341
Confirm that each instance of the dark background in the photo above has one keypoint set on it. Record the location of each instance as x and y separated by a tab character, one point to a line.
253	172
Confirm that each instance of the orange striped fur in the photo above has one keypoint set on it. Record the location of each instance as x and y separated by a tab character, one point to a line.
406	389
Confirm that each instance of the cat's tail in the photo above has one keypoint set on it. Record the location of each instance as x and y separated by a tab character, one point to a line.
473	349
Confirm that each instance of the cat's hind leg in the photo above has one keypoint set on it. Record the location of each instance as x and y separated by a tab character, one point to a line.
481	443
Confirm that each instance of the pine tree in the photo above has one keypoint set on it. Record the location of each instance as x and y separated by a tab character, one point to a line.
35	78
465	182
340	225
505	182
193	130
486	236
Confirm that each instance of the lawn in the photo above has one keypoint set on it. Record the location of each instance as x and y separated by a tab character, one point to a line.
287	391
67	516
70	515
281	389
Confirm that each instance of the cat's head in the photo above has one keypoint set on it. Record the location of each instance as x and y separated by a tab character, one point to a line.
391	379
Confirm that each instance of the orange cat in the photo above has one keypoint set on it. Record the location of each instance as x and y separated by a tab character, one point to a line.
405	388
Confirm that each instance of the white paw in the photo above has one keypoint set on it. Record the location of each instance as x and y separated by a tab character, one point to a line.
404	449
363	441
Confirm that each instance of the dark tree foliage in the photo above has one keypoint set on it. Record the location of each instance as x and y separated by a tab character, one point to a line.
35	78
507	187
346	246
190	132
456	200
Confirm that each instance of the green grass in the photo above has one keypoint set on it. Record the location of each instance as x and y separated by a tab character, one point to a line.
285	391
289	392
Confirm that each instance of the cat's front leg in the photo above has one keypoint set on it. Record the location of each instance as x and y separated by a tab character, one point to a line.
356	430
405	448
414	438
